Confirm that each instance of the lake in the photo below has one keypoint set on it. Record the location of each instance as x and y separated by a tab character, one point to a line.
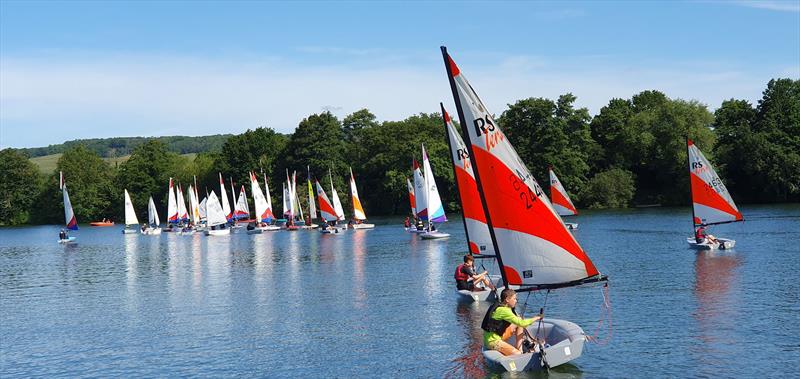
380	303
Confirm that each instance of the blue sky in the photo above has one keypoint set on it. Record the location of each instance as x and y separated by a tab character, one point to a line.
99	69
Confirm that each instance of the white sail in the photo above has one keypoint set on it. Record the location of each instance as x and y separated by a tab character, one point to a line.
172	205
130	214
478	237
194	205
214	211
337	204
182	214
434	202
203	209
258	200
420	193
226	207
711	201
534	247
269	198
560	199
152	213
241	206
69	214
287	209
358	210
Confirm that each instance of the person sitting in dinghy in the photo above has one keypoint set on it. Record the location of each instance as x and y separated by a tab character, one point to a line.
501	322
467	278
701	235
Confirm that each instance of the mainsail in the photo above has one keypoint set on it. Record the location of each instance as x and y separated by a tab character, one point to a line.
358	210
560	199
193	204
325	207
478	237
263	212
172	206
420	193
203	209
411	197
226	207
152	214
216	215
269	199
130	214
337	204
241	206
434	202
69	214
533	247
711	201
183	215
287	209
312	207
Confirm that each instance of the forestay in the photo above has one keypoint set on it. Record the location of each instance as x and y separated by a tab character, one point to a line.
478	237
711	201
561	201
534	247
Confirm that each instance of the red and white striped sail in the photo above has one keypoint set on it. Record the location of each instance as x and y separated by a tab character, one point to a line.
534	246
172	205
420	193
358	210
479	239
242	212
411	197
326	210
269	198
559	197
711	200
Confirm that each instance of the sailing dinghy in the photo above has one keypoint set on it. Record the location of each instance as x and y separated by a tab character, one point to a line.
153	222
131	221
312	206
358	210
326	211
534	249
434	209
263	205
479	242
711	202
69	214
420	199
216	217
412	200
172	207
560	200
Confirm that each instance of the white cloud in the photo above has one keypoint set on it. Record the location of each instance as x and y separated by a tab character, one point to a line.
781	6
57	98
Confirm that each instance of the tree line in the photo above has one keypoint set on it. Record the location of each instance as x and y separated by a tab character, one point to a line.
121	146
632	152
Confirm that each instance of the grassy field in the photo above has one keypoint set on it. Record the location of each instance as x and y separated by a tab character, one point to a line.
48	163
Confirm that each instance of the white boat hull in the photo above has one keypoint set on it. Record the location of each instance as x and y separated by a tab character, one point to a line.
218	232
571	225
68	240
563	342
413	229
722	244
151	231
467	296
312	226
434	235
269	228
362	226
131	231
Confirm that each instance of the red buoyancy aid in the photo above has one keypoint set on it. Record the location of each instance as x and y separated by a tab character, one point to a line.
459	275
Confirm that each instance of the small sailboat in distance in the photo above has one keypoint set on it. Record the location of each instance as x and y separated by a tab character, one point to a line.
312	206
711	202
326	211
216	217
534	249
69	214
131	221
153	222
435	210
337	204
358	209
420	199
560	199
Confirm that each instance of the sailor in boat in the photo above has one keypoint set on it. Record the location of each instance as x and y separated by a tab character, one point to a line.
420	224
467	278
501	322
700	235
62	235
407	222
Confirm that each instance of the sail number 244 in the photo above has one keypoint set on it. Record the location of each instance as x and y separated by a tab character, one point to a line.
526	195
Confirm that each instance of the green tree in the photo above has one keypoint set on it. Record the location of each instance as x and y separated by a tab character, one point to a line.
146	174
18	188
253	150
732	126
613	188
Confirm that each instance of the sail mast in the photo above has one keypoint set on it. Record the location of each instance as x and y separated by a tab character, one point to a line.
468	142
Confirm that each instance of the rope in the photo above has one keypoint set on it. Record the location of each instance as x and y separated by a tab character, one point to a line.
605	310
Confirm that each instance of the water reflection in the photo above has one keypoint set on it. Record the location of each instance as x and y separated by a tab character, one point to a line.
471	363
359	254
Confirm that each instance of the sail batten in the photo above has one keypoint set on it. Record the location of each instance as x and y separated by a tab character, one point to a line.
533	246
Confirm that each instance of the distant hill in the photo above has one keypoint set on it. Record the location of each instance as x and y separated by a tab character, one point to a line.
119	147
47	163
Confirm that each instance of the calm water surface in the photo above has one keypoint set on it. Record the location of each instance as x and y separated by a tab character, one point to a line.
380	303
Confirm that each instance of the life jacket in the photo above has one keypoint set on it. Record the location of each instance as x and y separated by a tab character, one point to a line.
489	324
700	233
460	276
